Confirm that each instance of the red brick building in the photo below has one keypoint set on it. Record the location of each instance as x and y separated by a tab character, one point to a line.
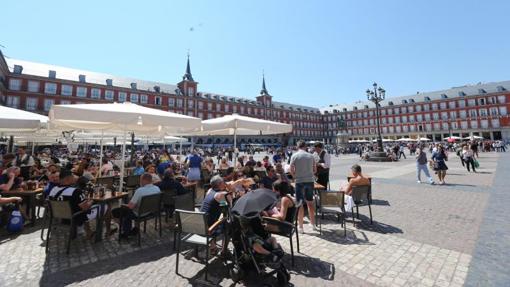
480	110
36	87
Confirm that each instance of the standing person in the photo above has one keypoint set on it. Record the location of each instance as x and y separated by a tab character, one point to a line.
401	152
24	161
303	168
468	158
323	165
195	163
421	164
439	157
474	148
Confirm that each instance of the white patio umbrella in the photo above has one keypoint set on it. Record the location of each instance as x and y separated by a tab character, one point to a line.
124	117
424	139
473	138
404	139
14	120
241	125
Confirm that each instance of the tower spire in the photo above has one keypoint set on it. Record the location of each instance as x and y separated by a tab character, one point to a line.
187	76
264	90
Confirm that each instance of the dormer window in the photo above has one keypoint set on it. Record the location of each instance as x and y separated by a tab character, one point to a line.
109	82
133	86
444	96
18	69
81	78
157	89
345	109
427	99
481	91
366	106
411	100
404	101
355	108
500	89
461	94
390	103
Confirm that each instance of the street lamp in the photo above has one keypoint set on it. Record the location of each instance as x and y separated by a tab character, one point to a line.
376	96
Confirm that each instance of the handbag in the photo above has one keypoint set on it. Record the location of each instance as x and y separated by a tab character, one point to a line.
16	222
476	163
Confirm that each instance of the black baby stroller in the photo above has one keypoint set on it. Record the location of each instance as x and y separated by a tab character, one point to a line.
247	229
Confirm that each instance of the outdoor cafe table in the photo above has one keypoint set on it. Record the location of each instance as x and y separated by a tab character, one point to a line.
28	198
102	202
316	186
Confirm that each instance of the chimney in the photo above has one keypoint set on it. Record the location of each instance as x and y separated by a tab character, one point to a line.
18	69
109	82
81	78
52	74
133	86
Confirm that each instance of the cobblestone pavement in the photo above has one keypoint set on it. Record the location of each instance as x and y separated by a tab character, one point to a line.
422	235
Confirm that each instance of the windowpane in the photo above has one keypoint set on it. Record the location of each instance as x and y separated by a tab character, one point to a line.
33	86
15	84
31	104
67	90
95	93
81	92
108	95
50	88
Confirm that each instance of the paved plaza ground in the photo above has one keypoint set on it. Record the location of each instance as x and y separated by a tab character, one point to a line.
423	235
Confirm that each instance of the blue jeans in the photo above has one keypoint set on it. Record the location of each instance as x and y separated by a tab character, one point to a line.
419	168
304	191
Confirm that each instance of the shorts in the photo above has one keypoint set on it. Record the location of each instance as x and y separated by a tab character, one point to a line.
304	191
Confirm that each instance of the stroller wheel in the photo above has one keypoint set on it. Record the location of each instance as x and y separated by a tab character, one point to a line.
282	277
236	274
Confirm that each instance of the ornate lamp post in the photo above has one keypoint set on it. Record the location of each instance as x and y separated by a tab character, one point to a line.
376	96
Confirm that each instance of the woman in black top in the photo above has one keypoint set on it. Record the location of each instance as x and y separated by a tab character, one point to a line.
287	207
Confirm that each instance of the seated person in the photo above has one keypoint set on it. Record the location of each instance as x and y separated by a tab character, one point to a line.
162	166
66	191
286	207
151	169
259	167
10	179
357	180
251	162
211	204
53	180
268	180
170	183
260	240
224	165
138	170
106	167
130	211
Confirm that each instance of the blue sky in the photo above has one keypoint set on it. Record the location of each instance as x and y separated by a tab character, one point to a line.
313	52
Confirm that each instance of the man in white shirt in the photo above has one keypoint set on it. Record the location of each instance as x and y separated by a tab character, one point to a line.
24	161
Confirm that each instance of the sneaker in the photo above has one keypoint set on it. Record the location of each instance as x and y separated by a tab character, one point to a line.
315	228
432	183
418	181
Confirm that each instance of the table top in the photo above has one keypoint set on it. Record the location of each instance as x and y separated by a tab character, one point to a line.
316	186
22	192
110	196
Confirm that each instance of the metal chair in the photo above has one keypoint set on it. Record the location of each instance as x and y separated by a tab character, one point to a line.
198	233
61	210
131	183
285	228
330	202
362	196
167	202
150	207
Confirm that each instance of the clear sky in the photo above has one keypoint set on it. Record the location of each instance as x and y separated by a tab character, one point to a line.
313	52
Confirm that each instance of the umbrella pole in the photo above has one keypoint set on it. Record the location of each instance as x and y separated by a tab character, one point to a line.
100	154
121	184
180	148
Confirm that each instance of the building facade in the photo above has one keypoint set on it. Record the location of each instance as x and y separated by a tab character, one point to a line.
36	87
472	110
480	109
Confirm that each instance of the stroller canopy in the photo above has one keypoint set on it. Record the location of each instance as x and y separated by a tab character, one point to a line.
254	202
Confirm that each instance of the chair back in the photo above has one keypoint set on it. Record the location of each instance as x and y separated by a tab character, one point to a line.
361	195
331	198
185	201
193	222
60	209
167	196
260	173
106	180
149	204
294	216
132	180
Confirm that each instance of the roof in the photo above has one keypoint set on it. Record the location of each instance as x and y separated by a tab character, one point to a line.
455	92
63	73
42	70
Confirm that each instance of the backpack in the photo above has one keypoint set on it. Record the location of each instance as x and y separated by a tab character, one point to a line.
16	222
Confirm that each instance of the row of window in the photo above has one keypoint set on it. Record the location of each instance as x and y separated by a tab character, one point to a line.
452	115
109	95
472	124
462	103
